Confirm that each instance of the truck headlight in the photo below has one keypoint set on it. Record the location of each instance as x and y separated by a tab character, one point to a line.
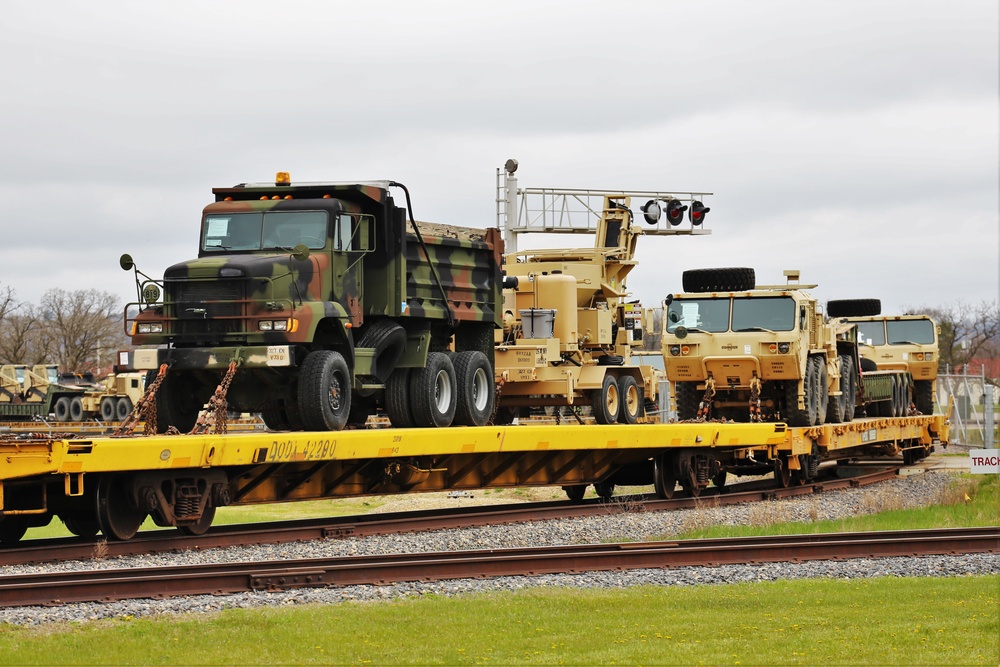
273	325
265	325
783	348
675	350
151	327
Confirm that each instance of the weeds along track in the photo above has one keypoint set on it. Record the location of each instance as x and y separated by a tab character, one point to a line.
65	549
224	578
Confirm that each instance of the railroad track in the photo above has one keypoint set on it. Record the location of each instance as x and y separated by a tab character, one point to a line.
227	578
63	549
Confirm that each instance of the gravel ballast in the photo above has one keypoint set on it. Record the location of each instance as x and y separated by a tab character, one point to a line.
621	523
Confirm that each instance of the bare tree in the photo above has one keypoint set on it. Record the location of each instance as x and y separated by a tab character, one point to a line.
84	325
23	339
968	332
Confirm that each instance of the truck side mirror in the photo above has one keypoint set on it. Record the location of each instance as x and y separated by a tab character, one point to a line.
125	261
300	252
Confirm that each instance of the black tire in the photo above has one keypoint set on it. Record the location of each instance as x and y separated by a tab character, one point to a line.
177	403
506	415
389	341
923	396
605	401
807	416
737	279
275	419
888	408
76	409
904	398
611	360
664	476
822	390
575	492
868	365
841	409
433	395
475	336
630	400
324	391
687	398
61	409
476	390
108	409
123	408
397	398
854	308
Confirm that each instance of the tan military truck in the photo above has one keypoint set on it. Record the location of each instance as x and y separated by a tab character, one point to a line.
901	343
569	331
745	352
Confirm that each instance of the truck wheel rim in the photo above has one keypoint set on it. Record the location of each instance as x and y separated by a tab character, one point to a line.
480	390
442	391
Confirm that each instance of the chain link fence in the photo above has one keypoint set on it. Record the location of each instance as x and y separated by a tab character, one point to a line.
974	402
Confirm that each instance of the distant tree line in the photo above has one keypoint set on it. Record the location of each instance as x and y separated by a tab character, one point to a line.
79	330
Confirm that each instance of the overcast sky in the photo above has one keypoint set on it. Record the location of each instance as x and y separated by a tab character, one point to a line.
854	140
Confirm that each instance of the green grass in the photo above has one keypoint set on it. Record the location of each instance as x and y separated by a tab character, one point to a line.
884	621
969	502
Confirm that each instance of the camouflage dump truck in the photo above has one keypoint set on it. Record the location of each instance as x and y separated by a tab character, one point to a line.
906	343
569	333
330	304
746	352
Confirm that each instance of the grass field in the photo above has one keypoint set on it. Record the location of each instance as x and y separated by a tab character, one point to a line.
905	621
882	621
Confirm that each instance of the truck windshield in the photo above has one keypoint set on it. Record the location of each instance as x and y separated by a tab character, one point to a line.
704	314
52	375
871	333
226	232
920	332
771	313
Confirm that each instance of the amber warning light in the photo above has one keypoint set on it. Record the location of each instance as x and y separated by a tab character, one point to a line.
282	178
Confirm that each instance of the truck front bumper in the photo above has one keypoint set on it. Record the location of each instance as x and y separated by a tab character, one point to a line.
208	358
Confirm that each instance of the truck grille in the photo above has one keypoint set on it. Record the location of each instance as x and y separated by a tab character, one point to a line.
212	307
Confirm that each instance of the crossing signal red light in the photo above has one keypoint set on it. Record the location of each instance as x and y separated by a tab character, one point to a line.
675	212
697	213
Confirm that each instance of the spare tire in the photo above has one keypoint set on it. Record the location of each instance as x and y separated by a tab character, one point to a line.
854	307
719	280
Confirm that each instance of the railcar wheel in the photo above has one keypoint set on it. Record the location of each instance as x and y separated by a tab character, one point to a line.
204	523
605	401
476	393
604	490
108	409
433	397
782	474
118	517
61	409
631	400
664	476
689	481
923	396
324	391
82	526
575	492
12	529
123	408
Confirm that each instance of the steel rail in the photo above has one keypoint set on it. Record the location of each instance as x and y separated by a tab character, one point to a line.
72	548
222	578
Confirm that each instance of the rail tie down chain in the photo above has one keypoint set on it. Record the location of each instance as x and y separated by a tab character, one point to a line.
216	415
755	386
705	407
144	410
